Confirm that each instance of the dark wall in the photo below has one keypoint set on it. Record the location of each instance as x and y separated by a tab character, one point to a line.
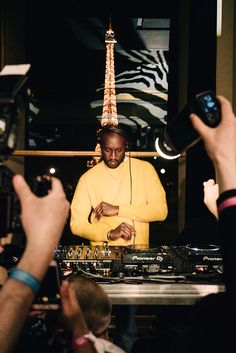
201	77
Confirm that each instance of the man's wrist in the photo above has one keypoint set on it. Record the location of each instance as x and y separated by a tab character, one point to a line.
27	278
109	238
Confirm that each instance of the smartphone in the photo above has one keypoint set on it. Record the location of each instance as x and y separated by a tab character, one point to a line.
48	297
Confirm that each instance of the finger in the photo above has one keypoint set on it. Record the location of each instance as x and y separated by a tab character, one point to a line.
96	213
198	125
97	209
226	107
99	205
209	182
128	233
130	229
56	185
64	294
127	225
127	237
226	111
21	187
73	299
125	230
64	290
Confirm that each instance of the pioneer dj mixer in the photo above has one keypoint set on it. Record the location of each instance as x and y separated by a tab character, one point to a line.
140	260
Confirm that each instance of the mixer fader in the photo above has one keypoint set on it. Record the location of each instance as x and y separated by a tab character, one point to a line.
101	259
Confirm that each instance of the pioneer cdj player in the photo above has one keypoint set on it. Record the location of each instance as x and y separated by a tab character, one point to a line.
140	260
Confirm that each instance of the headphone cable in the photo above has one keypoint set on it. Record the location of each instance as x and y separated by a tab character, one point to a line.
131	193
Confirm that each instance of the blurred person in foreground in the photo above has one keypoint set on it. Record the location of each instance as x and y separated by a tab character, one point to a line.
43	220
210	327
86	310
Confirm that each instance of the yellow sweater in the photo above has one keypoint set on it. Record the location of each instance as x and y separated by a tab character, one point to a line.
134	186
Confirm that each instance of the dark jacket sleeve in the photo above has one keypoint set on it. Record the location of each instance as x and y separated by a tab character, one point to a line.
226	205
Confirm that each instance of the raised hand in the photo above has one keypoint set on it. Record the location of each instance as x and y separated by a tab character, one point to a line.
211	194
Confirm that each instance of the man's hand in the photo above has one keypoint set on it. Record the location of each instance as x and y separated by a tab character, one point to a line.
43	218
220	144
105	209
124	231
71	310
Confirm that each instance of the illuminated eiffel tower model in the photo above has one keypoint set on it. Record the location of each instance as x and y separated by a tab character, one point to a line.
109	111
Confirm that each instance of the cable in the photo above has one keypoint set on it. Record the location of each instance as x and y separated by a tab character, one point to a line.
131	193
130	180
137	279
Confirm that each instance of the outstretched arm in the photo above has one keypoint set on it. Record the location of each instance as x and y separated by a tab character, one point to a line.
220	144
43	220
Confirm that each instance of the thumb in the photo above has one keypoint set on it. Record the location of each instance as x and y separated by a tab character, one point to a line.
198	125
21	187
64	289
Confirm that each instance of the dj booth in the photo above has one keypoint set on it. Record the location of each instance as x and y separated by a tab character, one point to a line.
161	275
159	294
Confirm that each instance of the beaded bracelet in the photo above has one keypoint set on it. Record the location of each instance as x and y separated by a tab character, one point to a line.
26	278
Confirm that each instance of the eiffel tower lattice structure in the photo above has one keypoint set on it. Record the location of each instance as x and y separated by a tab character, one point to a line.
109	110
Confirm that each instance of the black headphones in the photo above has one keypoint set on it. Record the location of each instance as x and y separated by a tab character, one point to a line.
112	129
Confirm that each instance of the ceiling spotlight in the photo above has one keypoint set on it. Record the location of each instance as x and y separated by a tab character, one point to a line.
52	171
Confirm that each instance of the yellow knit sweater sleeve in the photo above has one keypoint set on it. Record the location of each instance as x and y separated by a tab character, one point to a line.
80	210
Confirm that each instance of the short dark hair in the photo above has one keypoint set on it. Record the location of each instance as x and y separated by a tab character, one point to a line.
111	129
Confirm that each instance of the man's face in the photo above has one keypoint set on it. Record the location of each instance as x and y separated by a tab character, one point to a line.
113	150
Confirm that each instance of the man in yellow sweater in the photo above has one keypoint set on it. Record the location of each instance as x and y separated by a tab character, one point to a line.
116	199
114	202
